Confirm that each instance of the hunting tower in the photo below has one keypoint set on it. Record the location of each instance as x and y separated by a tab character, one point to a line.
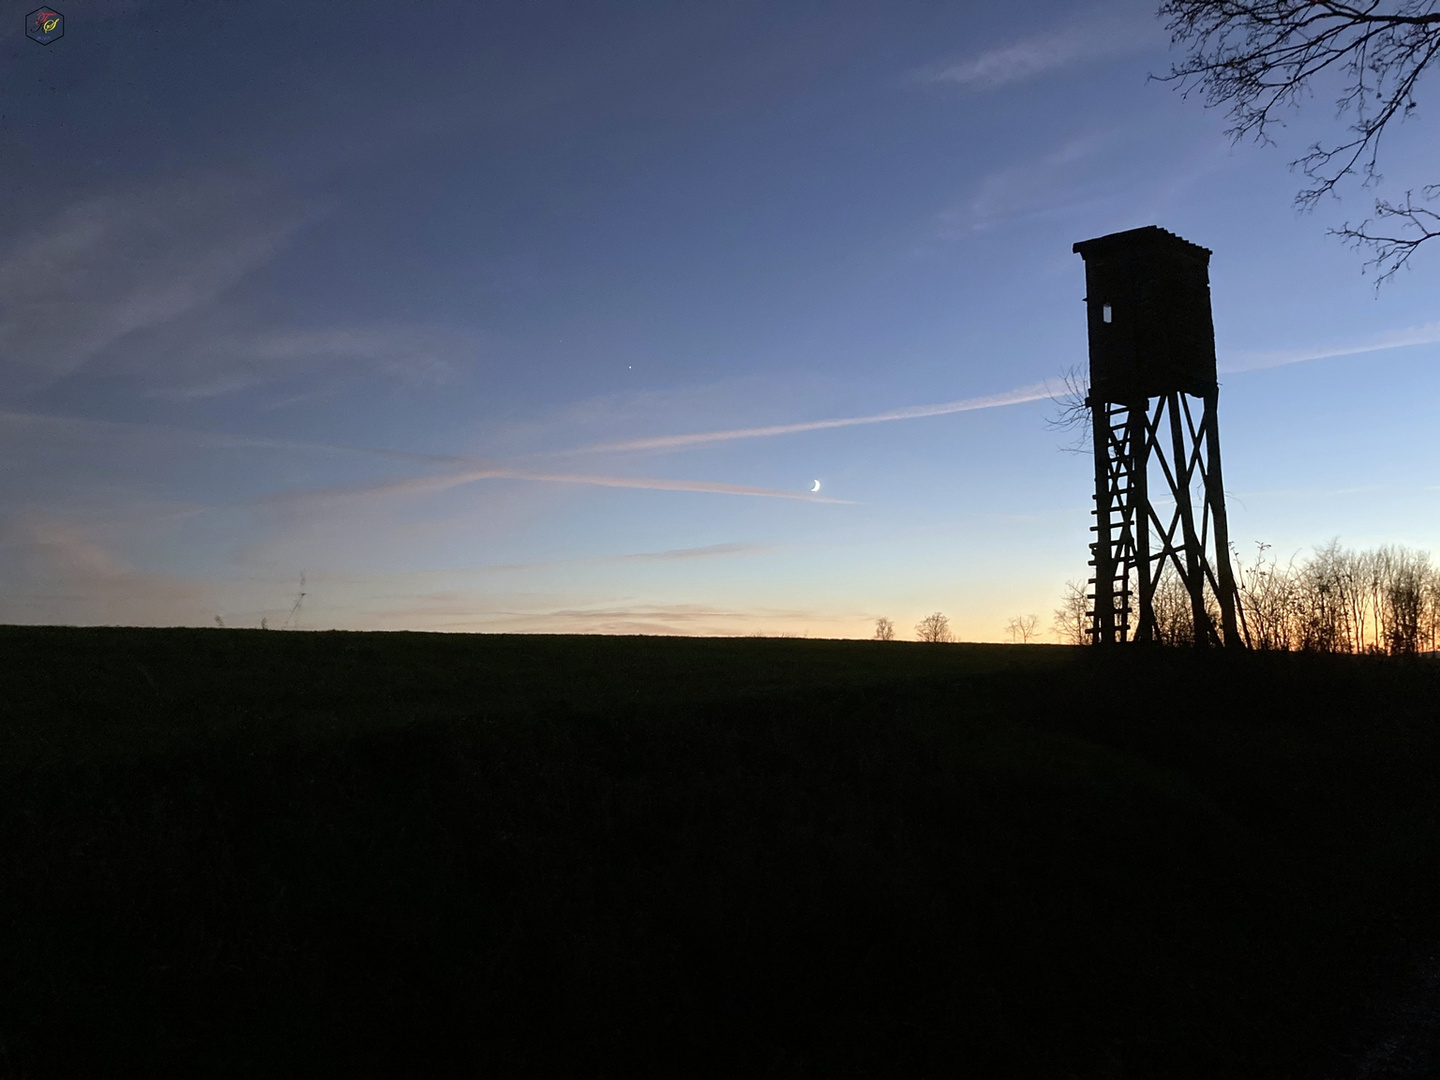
1152	351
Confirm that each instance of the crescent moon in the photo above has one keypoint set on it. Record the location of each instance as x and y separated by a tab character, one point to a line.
815	488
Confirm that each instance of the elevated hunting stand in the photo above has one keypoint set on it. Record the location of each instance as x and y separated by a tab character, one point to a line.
1152	340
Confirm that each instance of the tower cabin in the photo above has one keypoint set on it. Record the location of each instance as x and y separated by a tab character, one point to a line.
1148	304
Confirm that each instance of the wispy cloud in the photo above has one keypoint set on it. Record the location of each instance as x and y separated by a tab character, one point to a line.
1428	334
111	265
709	551
221	363
17	425
426	485
1070	175
133	279
1096	34
912	412
57	571
681	619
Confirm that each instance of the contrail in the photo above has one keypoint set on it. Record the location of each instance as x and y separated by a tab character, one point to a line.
421	485
1429	334
412	485
1034	392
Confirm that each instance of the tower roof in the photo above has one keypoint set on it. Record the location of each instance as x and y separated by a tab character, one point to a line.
1147	236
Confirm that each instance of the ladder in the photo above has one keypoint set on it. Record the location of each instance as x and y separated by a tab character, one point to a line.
1112	554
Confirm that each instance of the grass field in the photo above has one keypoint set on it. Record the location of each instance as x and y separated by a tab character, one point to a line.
236	853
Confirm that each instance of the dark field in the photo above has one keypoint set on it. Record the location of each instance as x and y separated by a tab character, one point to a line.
237	853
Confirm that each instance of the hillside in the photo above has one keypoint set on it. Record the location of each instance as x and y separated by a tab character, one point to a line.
240	853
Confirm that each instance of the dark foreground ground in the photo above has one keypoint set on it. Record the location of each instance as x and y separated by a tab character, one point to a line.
236	853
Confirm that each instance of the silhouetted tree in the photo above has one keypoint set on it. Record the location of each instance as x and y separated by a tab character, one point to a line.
1323	609
1359	587
1268	600
1259	57
934	628
1406	596
1072	410
1174	616
884	630
1430	622
1174	621
1384	600
1021	629
1072	617
1338	600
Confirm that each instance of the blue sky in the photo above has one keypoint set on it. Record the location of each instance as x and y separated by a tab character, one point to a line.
527	317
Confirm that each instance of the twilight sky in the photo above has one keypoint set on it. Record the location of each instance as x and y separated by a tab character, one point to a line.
533	316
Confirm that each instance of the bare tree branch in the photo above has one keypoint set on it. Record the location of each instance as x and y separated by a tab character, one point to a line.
1391	251
1259	57
1021	629
1072	410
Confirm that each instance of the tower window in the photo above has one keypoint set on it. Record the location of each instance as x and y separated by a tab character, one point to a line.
1106	313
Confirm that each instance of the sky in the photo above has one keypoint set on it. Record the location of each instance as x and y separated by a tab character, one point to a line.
545	317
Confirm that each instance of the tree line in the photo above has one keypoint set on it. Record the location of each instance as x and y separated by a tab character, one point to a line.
933	628
1338	600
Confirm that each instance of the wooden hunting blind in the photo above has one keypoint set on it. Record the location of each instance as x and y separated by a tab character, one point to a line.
1148	302
1152	340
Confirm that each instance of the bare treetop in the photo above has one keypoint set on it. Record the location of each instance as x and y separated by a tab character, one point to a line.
1259	56
934	628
